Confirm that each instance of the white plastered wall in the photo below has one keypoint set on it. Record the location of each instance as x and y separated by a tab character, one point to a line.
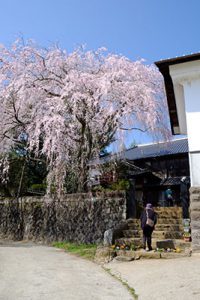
186	80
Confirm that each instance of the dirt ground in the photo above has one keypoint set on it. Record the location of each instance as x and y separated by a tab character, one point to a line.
161	279
32	272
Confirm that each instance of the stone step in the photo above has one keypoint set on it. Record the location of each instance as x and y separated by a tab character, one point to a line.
169	227
134	227
159	234
170	215
133	222
132	233
123	255
167	235
182	244
160	219
134	255
129	241
161	225
136	222
179	243
178	221
168	209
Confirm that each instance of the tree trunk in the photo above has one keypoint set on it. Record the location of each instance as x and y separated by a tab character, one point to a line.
83	177
19	204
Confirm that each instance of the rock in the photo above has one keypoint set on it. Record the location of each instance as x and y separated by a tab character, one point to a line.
127	253
182	244
188	251
165	244
104	255
173	255
195	247
118	230
108	237
147	255
124	258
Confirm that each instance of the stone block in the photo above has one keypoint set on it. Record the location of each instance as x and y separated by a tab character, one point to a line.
147	254
104	255
195	206
124	258
195	198
195	235
129	241
165	244
195	224
169	221
163	235
182	244
108	237
131	233
169	255
128	253
194	190
195	216
169	227
195	247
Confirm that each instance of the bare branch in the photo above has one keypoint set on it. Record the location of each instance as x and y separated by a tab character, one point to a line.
134	128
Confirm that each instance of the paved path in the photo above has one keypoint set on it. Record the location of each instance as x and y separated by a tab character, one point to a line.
161	279
31	272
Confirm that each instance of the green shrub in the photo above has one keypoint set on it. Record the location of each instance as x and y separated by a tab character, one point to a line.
122	184
38	187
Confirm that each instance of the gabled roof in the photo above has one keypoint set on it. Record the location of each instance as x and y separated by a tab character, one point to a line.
160	149
157	149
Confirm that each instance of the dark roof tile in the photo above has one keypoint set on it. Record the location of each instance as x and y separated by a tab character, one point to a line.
175	180
151	150
157	149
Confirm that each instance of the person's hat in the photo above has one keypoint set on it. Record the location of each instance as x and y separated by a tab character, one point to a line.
149	205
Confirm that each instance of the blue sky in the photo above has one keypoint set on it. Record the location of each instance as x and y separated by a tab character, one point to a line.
149	29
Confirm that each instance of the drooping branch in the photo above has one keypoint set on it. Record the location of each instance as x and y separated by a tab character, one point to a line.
71	106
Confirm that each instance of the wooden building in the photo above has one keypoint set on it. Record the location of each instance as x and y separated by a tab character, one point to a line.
151	170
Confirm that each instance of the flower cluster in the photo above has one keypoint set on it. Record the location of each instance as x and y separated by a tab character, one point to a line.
123	247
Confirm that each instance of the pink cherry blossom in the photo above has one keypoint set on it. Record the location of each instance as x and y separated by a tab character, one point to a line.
75	103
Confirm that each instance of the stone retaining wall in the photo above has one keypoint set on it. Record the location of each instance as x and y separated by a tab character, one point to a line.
195	217
77	217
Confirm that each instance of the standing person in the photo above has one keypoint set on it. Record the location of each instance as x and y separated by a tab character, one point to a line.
148	220
169	196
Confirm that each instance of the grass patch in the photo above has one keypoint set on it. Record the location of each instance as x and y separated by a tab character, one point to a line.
125	283
84	250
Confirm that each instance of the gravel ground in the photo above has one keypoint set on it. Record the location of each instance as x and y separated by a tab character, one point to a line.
35	272
161	279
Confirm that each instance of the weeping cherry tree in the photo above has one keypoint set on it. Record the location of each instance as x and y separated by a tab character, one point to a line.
69	106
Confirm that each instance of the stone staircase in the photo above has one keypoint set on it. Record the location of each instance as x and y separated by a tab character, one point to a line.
169	226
